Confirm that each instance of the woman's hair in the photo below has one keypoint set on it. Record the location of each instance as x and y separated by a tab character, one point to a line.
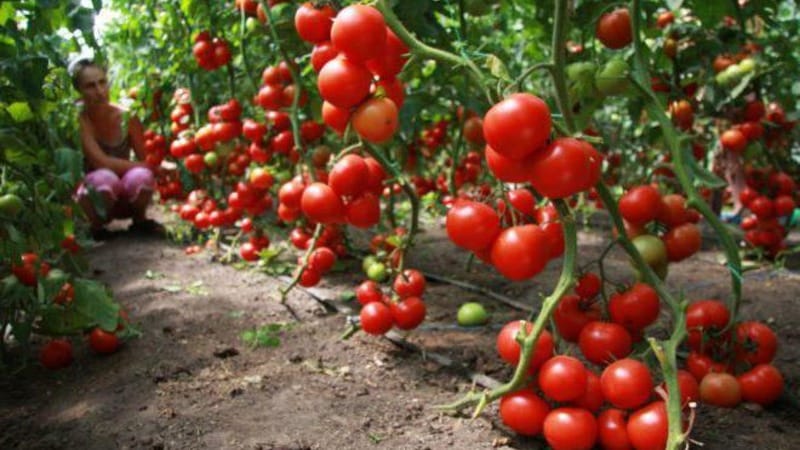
76	67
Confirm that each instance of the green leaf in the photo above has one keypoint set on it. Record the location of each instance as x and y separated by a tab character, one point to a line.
711	12
497	68
93	300
97	5
31	72
68	164
7	11
20	111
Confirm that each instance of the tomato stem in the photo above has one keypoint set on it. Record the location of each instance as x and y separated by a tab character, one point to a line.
559	58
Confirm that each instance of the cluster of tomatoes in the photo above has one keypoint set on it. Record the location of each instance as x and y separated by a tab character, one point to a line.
223	127
731	364
210	54
57	353
347	66
155	148
769	195
328	247
405	309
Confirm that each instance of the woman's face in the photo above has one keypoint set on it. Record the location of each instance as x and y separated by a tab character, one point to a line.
93	85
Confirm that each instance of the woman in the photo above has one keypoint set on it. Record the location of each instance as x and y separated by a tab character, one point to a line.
108	134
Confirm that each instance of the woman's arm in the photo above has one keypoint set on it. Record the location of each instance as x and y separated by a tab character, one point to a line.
136	135
96	156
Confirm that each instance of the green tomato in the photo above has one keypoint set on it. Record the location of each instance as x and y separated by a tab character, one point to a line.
211	159
56	276
10	205
581	71
747	65
251	24
612	79
376	272
368	261
472	314
661	271
652	249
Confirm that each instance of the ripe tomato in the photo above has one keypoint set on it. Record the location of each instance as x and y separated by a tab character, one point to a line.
763	384
376	318
733	140
520	252
408	313
321	204
603	342
614	29
310	277
410	283
322	259
688	387
314	24
699	365
248	252
682	114
640	204
472	225
626	383
756	343
664	19
563	378
682	242
648	426
517	126
473	130
572	314
350	27
570	428
102	341
762	207
567	166
784	205
524	412
368	292
612	430
363	211
720	389
588	286
507	169
673	210
592	399
56	354
391	61
343	83
636	308
509	349
704	316
376	120
349	175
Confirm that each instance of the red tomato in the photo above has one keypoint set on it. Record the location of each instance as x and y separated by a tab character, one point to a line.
322	259
376	318
640	204
664	19
376	120
603	342
563	378
309	277
321	204
509	349
391	61
626	383
248	252
682	242
517	126
507	169
756	343
472	225
56	354
673	210
588	286
321	54
699	365
368	292
763	384
648	426
784	205
570	429
102	341
704	316
636	308
524	412
572	314
688	387
520	252
349	175
733	140
363	211
335	117
473	130
614	29
351	26
592	399
410	283
720	389
408	313
612	430
314	24
567	166
344	83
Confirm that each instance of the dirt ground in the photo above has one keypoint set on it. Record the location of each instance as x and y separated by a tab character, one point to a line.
190	382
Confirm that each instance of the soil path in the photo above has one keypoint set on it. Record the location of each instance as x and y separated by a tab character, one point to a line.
190	382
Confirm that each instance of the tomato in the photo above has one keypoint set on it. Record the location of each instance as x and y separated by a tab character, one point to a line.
687	386
507	169
321	204
314	24
567	166
472	225
592	399
410	283
664	19
604	342
682	241
248	252
344	83
705	316
626	383
10	205
472	314
783	205
682	114
614	29
640	204
636	308
524	412
408	313
348	176
612	430
393	89
517	126
473	130
309	277
572	314
652	250
509	349
102	341
720	389
391	61
321	54
321	259
376	120
56	354
673	210
648	427
520	252
335	117
368	292
588	286
563	378
363	211
612	78
763	384
523	201
733	140
554	233
699	365
376	272
756	343
570	429
350	27
376	318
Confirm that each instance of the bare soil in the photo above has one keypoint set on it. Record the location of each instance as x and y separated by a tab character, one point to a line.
190	382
